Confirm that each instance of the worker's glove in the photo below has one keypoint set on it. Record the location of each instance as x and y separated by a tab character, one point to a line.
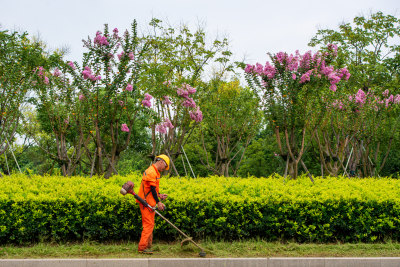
160	206
163	196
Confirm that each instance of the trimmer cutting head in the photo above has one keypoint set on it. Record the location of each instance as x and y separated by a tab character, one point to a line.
127	188
202	254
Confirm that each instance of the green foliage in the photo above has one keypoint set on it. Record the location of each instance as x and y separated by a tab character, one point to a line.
368	47
19	56
76	208
231	118
261	158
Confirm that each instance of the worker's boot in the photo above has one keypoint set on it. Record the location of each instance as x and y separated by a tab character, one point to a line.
146	251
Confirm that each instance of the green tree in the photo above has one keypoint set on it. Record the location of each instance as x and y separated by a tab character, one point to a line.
19	55
232	118
261	158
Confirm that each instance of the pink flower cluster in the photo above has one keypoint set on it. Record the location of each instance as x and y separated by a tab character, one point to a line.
121	55
269	71
196	115
166	101
361	98
184	92
115	33
162	127
71	64
87	74
290	62
124	128
332	48
129	87
304	66
189	103
146	101
42	75
56	72
167	83
100	39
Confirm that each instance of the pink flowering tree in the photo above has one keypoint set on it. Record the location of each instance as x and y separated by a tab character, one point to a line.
175	64
292	87
101	97
178	115
358	125
60	128
108	88
367	45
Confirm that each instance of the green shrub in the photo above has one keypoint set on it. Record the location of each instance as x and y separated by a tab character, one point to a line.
54	208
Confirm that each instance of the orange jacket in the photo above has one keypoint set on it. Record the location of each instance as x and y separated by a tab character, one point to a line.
151	177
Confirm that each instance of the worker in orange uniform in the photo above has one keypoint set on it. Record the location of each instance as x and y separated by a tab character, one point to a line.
149	191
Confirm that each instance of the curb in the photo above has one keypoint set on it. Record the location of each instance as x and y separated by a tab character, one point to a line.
210	262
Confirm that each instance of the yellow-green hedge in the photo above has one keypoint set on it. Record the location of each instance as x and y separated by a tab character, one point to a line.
77	208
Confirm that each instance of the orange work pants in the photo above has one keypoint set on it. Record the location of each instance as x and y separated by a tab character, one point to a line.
146	239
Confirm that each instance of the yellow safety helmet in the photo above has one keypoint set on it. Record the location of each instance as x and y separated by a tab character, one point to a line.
164	158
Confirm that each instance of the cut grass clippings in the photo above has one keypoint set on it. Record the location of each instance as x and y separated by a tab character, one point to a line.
236	249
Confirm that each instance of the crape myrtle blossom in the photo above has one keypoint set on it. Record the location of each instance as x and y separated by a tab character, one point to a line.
333	49
146	101
100	39
360	97
166	101
129	87
189	89
41	75
183	93
121	55
167	83
304	66
115	33
189	103
196	115
56	72
386	93
72	65
124	128
162	127
87	74
366	99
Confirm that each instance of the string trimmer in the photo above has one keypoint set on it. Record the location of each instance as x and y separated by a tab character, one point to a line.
127	188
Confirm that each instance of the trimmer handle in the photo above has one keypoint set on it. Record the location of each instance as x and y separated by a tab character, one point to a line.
141	200
127	188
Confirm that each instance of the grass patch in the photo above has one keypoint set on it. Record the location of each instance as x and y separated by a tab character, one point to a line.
252	248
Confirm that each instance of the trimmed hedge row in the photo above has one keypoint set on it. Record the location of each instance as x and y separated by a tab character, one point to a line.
77	208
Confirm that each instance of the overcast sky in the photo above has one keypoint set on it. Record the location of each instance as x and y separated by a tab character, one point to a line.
253	27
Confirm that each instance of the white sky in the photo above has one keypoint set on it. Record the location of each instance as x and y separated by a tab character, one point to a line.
254	27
